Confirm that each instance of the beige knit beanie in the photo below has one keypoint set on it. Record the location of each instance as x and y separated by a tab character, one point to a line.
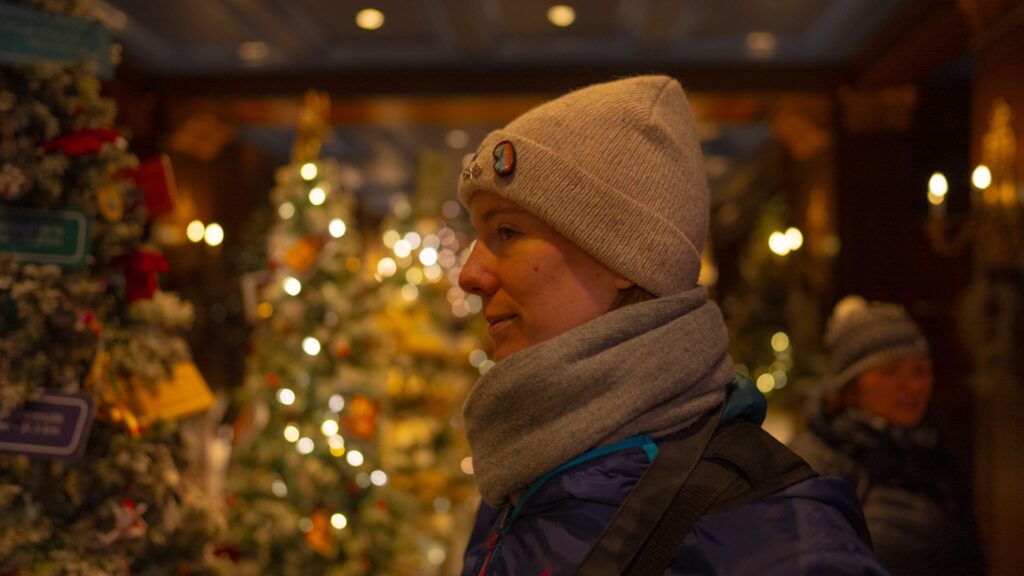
616	168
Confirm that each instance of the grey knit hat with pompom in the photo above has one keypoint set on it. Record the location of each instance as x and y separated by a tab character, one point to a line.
862	335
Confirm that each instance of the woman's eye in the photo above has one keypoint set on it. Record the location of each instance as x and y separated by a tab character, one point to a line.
506	233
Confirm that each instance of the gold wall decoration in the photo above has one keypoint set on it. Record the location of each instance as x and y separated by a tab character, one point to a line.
312	126
996	199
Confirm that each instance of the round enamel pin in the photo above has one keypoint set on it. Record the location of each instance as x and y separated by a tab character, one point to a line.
504	158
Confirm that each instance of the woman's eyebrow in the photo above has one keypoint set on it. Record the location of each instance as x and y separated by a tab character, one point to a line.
498	211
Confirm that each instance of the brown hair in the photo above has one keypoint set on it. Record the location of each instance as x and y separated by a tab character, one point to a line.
632	295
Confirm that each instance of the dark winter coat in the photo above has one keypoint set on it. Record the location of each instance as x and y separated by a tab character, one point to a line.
914	499
804	529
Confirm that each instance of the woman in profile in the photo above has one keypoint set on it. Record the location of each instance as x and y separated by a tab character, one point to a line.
612	436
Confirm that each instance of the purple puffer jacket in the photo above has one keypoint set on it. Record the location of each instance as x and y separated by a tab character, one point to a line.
805	529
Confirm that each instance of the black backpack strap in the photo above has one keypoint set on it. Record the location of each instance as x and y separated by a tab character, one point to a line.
645	505
702	489
764	465
701	470
741	463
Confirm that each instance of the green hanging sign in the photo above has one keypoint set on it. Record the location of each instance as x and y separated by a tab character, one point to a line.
28	36
45	236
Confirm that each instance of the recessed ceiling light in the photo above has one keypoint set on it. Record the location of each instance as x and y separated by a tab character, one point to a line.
561	15
761	44
370	19
253	51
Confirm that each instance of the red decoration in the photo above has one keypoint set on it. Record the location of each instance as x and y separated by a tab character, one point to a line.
140	270
156	179
361	417
81	142
342	350
89	320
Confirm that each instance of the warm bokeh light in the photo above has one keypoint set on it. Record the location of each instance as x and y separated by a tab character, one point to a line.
286	210
195	231
292	286
413	239
291	433
378	478
369	19
467	465
428	256
338	521
253	51
265	310
305	445
778	243
414	276
794	237
279	488
336	403
477	357
329	428
336	444
308	171
436	555
286	396
387	267
214	234
780	342
761	44
311	346
981	177
337	228
937	184
355	458
402	248
317	196
561	15
410	292
765	383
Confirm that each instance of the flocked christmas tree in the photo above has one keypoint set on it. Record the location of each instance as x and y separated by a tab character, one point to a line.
95	477
346	459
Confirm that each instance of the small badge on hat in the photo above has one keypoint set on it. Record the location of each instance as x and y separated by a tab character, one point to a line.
504	158
472	170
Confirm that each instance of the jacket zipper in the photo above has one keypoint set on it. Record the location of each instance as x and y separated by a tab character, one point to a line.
492	542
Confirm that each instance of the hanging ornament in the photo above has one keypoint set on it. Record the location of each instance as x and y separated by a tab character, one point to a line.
81	142
155	177
128	522
140	270
110	202
319	536
361	417
111	395
303	253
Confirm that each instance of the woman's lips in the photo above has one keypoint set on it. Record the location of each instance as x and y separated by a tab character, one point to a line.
495	324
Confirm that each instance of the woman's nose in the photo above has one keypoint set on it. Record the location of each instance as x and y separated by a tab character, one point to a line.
477	276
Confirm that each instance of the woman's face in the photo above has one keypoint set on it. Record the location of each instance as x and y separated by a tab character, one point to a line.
535	283
898	391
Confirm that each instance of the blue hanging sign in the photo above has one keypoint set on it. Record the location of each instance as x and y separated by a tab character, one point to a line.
28	36
46	236
54	426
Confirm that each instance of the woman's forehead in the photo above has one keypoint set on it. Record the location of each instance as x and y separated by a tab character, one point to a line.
485	205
